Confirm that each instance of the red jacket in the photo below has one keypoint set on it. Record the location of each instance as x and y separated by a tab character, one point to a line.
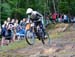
54	16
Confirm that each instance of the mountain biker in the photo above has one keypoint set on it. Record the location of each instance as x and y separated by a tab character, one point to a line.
36	18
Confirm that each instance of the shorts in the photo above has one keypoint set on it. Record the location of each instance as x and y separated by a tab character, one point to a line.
8	37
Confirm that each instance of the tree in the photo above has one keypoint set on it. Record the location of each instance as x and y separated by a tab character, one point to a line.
17	8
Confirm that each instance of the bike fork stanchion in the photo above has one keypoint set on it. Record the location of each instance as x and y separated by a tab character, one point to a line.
33	38
49	42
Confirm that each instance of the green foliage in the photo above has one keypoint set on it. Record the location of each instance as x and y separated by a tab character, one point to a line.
17	8
63	6
67	6
6	10
14	46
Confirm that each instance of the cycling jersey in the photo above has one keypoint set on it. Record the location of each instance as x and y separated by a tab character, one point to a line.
35	16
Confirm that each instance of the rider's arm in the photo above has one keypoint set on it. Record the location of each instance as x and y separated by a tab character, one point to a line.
39	14
41	17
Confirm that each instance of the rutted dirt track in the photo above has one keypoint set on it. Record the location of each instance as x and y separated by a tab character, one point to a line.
62	47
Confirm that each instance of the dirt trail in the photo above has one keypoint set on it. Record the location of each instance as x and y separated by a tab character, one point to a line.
63	46
60	47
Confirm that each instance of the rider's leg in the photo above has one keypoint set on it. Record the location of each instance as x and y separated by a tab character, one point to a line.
43	28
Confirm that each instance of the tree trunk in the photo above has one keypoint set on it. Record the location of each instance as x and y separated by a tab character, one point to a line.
54	5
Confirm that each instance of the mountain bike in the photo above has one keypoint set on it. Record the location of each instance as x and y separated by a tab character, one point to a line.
33	33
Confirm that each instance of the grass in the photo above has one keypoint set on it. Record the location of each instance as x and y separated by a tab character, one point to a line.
65	52
55	35
7	54
22	44
50	26
14	46
5	50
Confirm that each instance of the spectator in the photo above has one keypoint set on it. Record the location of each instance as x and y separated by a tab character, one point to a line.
47	20
8	20
16	23
50	16
0	30
60	18
4	28
9	35
13	21
54	17
20	32
65	18
13	28
23	23
73	20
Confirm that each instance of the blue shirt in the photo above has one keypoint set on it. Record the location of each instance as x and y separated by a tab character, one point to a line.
21	31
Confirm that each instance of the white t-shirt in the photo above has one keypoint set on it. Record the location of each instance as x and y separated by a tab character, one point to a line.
65	17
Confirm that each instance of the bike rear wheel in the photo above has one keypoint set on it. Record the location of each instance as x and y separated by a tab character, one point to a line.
45	40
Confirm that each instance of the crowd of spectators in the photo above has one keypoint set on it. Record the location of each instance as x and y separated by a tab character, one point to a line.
59	18
12	29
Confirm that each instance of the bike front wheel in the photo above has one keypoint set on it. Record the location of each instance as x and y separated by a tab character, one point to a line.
30	39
